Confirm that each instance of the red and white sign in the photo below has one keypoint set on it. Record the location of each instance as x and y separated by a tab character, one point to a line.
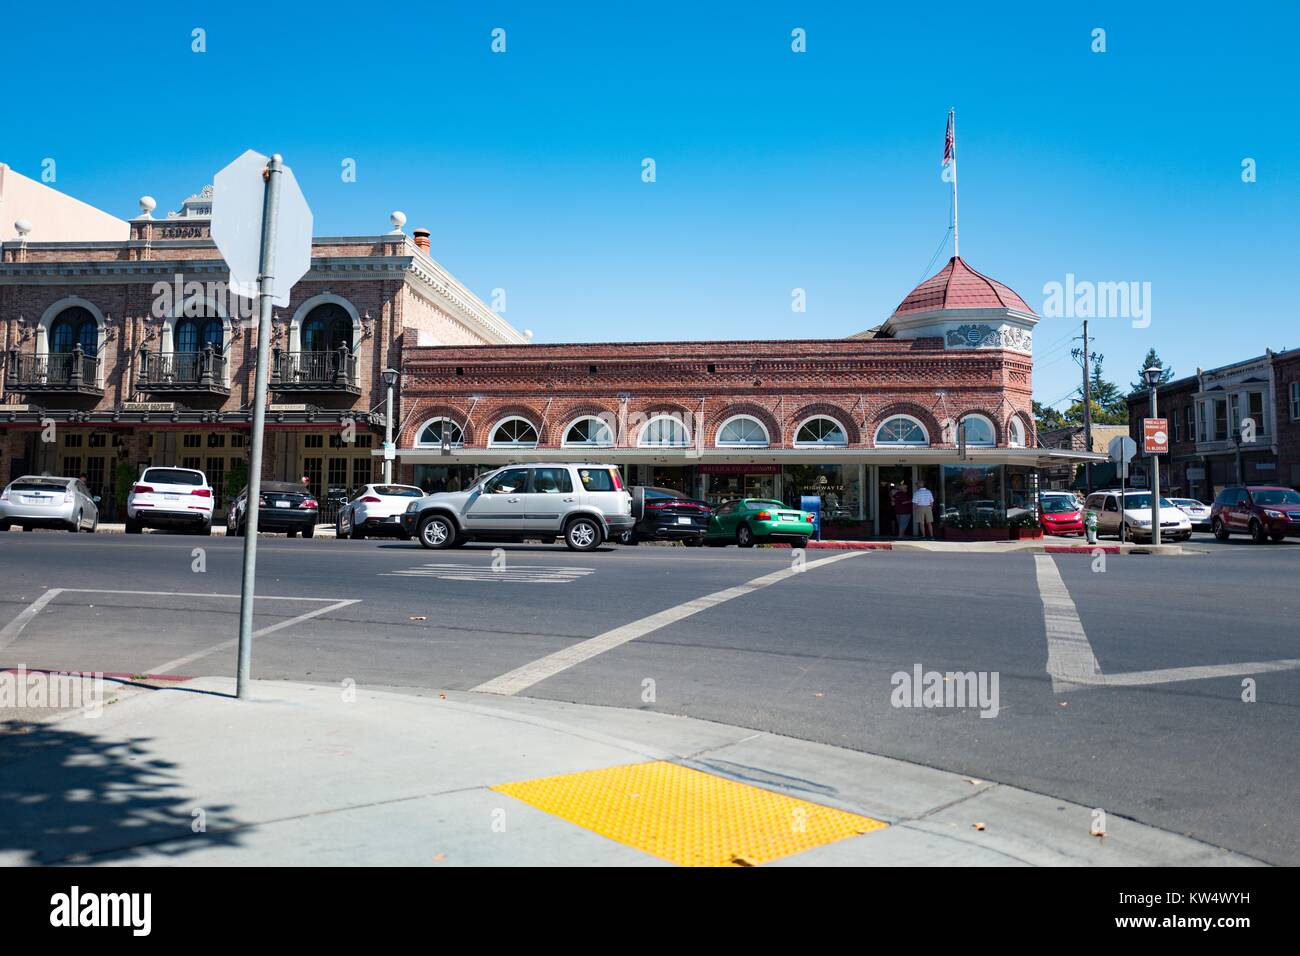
1155	436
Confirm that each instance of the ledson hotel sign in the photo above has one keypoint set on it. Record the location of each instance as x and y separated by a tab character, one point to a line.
126	351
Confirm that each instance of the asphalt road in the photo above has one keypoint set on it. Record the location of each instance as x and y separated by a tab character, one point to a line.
809	654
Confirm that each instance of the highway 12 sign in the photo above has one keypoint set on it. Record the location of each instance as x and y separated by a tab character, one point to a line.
238	198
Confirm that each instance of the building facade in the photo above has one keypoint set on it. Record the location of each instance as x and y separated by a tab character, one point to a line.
1236	423
121	354
941	393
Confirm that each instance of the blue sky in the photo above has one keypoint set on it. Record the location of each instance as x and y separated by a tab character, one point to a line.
775	170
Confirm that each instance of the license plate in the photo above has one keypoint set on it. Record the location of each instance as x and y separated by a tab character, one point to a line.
171	497
282	504
683	520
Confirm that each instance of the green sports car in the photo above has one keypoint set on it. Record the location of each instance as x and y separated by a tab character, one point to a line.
751	521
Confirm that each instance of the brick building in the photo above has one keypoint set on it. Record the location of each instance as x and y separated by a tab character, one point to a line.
119	354
1208	412
940	392
1067	475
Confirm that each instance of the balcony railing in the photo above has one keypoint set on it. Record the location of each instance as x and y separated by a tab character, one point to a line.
184	371
333	371
72	371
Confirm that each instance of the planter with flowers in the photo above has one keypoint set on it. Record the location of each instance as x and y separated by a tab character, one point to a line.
1024	526
974	528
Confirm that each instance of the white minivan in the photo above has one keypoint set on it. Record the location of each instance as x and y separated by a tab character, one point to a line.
166	497
1130	512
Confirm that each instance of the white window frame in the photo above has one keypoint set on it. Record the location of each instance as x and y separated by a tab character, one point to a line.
642	435
494	442
566	443
1017	434
993	430
765	443
821	444
885	443
419	433
1295	401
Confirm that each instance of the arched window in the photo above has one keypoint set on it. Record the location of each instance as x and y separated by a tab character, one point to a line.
513	433
664	431
902	430
588	432
1016	433
742	431
194	335
821	431
978	430
326	328
432	434
72	326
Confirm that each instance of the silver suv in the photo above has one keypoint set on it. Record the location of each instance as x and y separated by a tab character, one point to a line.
584	503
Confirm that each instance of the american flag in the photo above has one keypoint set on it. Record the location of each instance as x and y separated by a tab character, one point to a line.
949	147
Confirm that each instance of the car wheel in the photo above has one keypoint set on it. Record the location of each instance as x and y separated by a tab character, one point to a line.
309	532
694	542
1220	529
437	532
132	527
94	525
5	526
28	527
291	534
799	543
744	536
1277	538
356	534
582	534
1257	533
207	530
628	537
76	524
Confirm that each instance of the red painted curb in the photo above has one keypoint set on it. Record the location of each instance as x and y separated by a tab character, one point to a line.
842	545
1080	549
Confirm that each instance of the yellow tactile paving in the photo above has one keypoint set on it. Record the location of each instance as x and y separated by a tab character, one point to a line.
688	817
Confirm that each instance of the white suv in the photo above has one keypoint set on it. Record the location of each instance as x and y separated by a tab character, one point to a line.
170	498
583	503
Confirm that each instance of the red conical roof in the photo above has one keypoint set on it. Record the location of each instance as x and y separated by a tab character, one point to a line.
958	286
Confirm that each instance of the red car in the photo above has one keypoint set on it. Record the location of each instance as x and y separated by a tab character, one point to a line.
1060	515
1263	512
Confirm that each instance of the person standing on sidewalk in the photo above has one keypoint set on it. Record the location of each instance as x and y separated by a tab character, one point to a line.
902	501
923	511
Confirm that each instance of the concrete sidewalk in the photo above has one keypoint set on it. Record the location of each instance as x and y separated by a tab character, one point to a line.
305	774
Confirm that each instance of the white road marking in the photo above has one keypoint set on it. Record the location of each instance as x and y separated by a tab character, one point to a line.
170	666
1070	660
1072	665
512	682
527	573
15	627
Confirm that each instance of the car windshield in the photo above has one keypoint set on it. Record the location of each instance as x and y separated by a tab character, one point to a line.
1142	499
172	476
40	484
766	502
1187	503
1276	496
1055	506
398	491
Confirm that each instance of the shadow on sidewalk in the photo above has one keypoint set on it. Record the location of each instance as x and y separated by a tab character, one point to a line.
73	797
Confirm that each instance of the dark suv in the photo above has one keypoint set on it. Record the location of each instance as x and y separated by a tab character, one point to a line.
1262	512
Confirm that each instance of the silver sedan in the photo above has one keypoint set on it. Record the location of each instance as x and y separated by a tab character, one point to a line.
42	501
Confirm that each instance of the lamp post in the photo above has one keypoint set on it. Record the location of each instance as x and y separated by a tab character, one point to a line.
1152	376
1236	440
390	380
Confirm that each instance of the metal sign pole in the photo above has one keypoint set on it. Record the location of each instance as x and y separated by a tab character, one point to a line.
266	288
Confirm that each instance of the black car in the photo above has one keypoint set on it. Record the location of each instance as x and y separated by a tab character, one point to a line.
283	507
664	514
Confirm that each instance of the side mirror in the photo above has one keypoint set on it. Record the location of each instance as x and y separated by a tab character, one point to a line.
96	499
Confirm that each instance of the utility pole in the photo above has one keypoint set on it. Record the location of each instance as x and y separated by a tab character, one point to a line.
1087	410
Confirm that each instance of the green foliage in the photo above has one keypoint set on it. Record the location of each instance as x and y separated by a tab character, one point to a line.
974	522
1152	359
123	480
236	478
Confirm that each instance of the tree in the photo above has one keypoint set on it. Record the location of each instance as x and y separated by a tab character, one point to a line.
1152	359
1046	418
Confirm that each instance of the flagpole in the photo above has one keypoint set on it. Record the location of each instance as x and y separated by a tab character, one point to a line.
952	118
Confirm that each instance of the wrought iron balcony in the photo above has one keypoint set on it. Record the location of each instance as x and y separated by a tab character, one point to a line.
192	372
334	371
69	372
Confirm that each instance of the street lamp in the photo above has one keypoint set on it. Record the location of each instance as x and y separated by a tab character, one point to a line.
1236	440
390	375
1152	375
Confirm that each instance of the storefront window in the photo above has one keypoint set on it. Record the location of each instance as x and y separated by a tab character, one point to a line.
724	482
1022	490
972	491
435	478
838	486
